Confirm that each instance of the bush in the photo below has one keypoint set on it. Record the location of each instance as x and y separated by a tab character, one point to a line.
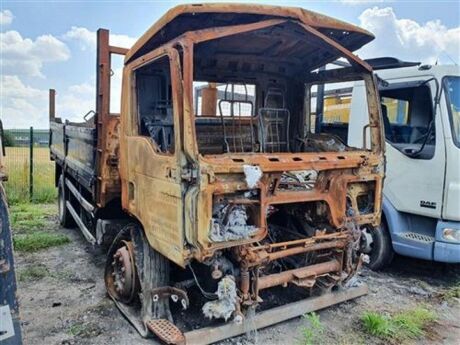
8	139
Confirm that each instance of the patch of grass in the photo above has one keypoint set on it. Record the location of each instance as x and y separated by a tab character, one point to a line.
377	324
30	217
76	329
28	224
17	168
409	324
313	334
32	273
38	240
62	275
84	330
451	293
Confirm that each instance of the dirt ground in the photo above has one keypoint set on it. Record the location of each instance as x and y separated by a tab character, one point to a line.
68	305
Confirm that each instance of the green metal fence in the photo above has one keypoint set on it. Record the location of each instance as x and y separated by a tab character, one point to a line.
29	168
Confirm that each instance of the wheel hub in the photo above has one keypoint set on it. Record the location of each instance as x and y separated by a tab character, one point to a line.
124	272
366	241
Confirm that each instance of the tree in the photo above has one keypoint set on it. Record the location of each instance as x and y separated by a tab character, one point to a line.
8	139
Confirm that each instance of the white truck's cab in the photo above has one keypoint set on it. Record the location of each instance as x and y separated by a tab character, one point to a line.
421	207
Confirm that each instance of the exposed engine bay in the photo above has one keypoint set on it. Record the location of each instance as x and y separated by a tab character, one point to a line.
287	243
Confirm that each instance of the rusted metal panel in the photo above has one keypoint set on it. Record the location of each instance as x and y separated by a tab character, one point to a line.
78	144
52	105
160	209
300	273
180	19
107	175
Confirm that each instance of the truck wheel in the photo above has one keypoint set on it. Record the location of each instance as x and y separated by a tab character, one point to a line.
65	218
376	242
133	269
121	277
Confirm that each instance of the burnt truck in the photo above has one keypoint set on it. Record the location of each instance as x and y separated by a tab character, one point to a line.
211	189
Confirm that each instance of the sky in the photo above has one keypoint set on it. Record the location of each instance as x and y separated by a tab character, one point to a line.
51	44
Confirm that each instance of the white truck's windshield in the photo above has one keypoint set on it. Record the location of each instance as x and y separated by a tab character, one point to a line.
452	89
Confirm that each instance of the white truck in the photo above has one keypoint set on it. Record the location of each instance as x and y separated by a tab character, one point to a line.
421	115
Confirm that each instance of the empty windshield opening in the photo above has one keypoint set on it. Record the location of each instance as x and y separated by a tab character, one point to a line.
249	91
408	119
332	109
241	117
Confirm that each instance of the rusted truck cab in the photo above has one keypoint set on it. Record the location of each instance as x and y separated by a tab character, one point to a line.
253	191
216	164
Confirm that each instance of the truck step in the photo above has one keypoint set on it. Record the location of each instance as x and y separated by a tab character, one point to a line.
417	237
166	331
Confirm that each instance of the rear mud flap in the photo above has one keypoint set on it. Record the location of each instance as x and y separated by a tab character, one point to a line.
134	317
165	330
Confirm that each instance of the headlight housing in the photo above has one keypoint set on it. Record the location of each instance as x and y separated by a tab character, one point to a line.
452	235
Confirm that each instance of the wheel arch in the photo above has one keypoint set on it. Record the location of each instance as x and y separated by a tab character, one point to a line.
391	217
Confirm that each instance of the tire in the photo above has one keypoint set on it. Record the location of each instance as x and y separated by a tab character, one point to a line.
381	253
152	271
65	218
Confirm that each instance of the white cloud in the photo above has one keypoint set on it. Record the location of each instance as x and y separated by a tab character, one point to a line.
76	101
87	39
24	56
361	2
23	106
6	17
83	89
408	40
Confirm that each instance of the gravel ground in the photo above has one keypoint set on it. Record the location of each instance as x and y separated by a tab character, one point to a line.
69	304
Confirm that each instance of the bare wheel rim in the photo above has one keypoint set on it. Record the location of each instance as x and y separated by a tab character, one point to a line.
121	275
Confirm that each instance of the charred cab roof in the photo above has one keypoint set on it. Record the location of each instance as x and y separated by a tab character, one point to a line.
185	18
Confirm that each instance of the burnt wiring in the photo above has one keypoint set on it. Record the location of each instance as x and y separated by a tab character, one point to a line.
208	295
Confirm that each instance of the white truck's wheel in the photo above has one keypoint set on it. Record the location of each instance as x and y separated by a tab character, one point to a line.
376	242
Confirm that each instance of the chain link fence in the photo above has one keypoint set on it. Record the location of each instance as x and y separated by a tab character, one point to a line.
28	165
